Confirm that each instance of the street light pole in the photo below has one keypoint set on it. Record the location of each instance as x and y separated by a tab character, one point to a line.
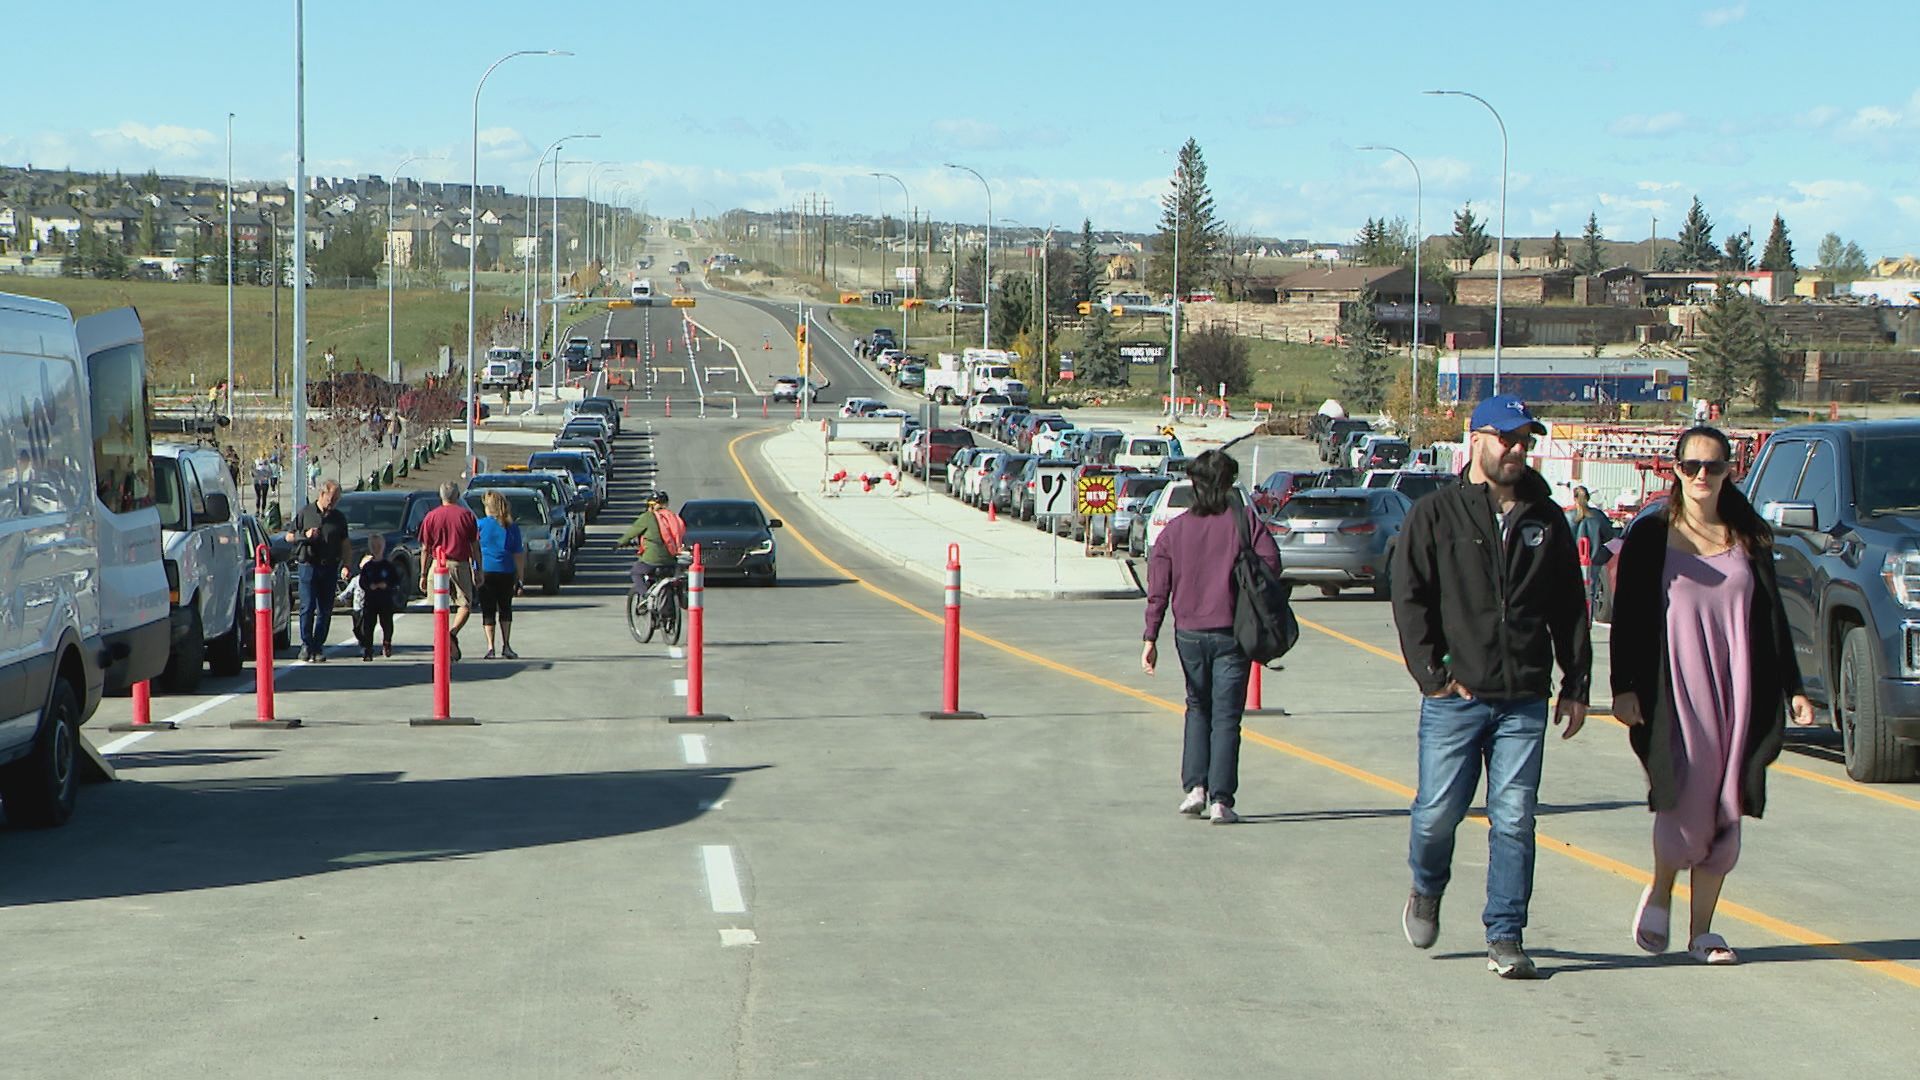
533	237
906	199
229	265
1419	202
393	376
299	434
1500	253
473	245
986	264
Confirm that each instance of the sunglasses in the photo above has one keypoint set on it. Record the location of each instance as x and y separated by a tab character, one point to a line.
1691	467
1522	438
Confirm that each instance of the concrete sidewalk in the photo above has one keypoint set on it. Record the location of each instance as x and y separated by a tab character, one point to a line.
1003	560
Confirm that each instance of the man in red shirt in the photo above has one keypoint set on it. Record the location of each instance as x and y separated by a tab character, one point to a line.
450	529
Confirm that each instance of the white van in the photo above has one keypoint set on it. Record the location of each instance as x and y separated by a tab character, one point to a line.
1148	453
83	595
643	292
206	562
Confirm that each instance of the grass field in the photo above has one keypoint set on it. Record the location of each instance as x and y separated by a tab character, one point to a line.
186	325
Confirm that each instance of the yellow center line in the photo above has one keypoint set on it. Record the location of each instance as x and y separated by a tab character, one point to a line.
1778	927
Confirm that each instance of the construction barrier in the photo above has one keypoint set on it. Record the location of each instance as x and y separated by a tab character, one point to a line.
1262	410
442	653
697	645
950	673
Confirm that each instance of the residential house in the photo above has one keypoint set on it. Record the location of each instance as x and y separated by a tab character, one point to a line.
1543	285
1389	285
120	224
55	223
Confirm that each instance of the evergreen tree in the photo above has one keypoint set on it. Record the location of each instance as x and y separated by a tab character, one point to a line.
1086	269
1841	260
1779	251
1362	372
149	230
1366	244
1513	251
1099	362
354	249
1557	250
1723	347
1697	250
1189	208
1593	257
1469	243
1739	254
1013	303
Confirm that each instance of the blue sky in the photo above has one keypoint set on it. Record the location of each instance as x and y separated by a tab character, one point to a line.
1627	110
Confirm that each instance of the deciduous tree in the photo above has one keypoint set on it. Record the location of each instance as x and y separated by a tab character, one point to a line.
1841	260
1214	355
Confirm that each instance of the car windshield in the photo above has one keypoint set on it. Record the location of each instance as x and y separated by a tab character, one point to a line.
1147	447
528	513
1323	508
1416	485
374	515
1139	487
1178	498
721	516
579	469
1885	481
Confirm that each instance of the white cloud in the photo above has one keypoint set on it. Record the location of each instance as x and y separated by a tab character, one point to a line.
167	140
1715	18
1643	125
1659	185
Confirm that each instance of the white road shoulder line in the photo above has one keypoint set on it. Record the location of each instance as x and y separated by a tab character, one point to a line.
676	652
694	749
734	936
723	881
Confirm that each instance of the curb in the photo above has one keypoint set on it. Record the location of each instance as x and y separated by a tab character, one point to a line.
938	574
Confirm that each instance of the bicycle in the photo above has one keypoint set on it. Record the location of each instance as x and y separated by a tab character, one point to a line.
662	607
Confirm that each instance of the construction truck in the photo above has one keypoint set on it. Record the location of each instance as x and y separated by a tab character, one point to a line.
974	372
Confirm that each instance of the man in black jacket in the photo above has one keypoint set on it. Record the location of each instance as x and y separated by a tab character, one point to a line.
1487	596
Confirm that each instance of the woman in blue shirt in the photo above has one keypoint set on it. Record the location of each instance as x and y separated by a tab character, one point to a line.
503	564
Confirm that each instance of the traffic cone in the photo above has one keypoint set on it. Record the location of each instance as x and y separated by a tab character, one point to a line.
993	513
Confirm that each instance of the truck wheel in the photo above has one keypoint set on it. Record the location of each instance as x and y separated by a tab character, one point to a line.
185	665
39	789
223	653
1873	755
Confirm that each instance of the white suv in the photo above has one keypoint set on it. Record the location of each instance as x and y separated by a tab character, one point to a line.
206	561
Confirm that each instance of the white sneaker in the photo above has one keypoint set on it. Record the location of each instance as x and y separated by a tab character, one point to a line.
1195	803
1222	814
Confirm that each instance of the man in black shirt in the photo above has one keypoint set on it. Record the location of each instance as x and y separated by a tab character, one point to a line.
321	548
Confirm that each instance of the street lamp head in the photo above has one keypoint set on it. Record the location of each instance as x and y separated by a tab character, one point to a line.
558	52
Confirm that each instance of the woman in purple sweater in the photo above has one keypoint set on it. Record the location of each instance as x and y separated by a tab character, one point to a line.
1191	570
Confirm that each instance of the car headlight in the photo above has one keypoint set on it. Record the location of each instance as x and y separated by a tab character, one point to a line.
537	546
1901	572
764	547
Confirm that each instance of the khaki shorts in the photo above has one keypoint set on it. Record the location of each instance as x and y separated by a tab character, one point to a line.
460	586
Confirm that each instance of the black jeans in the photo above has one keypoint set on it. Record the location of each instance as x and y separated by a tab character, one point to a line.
1217	673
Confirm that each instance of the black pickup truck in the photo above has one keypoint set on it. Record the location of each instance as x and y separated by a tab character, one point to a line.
1844	503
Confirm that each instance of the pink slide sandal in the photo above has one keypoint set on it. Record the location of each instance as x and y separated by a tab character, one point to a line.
1650	925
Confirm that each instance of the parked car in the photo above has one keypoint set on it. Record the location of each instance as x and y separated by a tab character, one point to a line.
534	516
577	464
1339	537
1002	427
912	456
855	407
558	493
735	538
1130	497
604	407
941	444
1067	446
396	516
1382	452
1417	484
974	474
1103	446
957	467
911	375
881	338
206	563
1021	490
996	486
1271	493
1044	433
1148	453
1335	433
1075	525
1844	503
280	580
1165	505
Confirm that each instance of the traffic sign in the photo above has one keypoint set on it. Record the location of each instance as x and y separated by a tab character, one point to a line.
907	276
1094	496
682	301
880	298
1053	488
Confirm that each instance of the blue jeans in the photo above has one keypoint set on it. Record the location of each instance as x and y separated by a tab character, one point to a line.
318	584
1456	737
1216	672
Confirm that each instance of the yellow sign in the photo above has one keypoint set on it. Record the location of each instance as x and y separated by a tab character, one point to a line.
619	303
683	301
849	297
1093	495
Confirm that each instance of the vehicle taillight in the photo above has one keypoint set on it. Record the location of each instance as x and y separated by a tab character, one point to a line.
1278	529
1357	529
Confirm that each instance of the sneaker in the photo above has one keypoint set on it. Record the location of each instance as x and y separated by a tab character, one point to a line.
1509	961
1222	814
1421	919
366	654
1195	803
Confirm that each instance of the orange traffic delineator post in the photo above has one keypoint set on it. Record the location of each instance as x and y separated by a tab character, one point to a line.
143	712
1586	571
1254	707
697	646
442	653
950	675
263	715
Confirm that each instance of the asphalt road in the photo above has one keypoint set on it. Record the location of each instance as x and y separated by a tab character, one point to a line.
833	886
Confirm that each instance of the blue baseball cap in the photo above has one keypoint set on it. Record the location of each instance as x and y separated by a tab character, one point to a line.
1503	413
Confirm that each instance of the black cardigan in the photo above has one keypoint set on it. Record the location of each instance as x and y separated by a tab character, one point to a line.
1640	665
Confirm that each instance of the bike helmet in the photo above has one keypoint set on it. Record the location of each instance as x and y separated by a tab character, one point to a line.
657	498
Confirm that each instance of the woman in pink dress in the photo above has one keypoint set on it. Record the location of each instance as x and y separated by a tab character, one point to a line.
1703	670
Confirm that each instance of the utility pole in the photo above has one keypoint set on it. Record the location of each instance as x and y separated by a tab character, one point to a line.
1653	233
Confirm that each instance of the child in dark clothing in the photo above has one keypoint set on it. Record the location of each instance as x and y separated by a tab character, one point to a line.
379	587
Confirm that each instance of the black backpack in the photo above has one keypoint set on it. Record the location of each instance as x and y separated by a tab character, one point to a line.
1263	622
